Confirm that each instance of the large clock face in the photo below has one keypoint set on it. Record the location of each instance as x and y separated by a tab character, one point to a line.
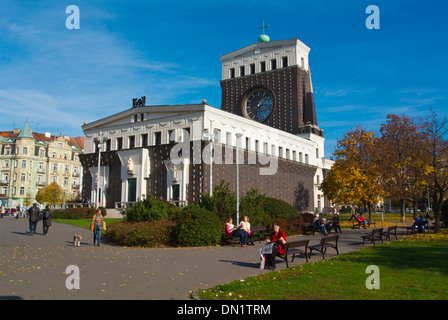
258	104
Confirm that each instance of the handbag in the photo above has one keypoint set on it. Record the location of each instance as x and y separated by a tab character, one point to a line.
104	226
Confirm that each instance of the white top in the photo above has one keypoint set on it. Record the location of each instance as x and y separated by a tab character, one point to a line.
245	225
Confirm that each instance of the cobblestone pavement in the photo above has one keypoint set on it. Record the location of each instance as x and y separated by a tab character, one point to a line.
34	267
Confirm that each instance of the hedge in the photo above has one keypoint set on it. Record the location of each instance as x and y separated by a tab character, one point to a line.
142	234
196	226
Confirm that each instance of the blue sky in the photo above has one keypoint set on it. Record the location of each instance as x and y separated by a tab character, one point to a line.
169	51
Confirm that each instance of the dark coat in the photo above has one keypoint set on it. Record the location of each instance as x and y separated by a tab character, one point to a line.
46	221
34	214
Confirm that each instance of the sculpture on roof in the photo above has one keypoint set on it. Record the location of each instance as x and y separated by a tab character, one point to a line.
139	102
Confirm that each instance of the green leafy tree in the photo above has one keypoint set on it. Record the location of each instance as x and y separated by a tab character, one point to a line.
222	203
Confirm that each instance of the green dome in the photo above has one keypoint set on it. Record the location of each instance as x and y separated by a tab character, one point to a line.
263	38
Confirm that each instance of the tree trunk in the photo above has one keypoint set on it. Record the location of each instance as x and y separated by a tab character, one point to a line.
403	210
415	208
437	205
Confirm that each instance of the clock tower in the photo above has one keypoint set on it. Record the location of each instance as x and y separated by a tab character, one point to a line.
270	82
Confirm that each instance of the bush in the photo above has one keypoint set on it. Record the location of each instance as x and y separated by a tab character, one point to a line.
279	209
197	226
150	209
252	205
295	224
142	234
222	203
72	213
282	224
307	217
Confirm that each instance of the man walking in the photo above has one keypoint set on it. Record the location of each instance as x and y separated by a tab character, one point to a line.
34	215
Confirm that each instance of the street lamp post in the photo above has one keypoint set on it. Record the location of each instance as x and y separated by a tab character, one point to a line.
238	136
210	138
99	145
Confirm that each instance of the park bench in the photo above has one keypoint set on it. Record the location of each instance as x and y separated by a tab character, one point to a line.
259	232
421	227
227	238
293	248
411	229
392	230
308	227
357	224
375	234
325	243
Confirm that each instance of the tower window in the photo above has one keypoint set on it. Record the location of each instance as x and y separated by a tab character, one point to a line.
303	62
284	62
242	71
131	142
157	138
273	64
232	73
252	68
171	136
144	140
119	143
263	66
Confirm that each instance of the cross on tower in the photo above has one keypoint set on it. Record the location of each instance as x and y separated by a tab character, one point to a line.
263	26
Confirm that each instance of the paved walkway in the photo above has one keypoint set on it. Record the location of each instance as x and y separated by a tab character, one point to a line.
33	267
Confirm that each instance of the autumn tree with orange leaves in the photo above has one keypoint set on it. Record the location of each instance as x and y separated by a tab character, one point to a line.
399	162
434	152
353	178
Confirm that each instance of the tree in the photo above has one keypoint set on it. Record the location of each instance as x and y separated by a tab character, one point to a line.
51	194
435	155
354	177
222	203
397	159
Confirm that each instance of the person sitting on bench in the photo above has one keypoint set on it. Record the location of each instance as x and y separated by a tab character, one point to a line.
361	220
236	232
279	237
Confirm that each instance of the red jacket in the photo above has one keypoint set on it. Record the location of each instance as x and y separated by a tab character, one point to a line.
277	236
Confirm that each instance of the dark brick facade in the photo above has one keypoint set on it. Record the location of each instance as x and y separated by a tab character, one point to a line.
293	97
292	183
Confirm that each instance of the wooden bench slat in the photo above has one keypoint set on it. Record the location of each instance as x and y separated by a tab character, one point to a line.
374	234
392	230
293	248
325	243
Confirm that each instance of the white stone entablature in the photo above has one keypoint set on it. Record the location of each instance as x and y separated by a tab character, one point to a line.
295	51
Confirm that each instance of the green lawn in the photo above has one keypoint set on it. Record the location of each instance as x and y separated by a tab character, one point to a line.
413	268
85	223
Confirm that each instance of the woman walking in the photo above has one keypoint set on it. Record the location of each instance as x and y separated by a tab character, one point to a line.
96	226
46	220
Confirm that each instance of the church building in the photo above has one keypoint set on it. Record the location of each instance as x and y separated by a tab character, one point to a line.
264	136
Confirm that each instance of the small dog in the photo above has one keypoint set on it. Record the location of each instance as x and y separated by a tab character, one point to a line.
77	240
